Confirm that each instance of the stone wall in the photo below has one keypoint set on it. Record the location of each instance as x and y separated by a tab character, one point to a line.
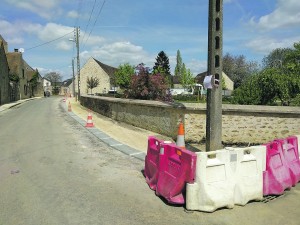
240	124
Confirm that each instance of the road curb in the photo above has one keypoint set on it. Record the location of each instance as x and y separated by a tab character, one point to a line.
103	137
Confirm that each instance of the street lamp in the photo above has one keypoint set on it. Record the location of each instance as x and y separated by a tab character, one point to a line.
78	60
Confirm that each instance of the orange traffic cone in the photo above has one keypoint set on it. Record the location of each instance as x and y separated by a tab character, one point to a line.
180	137
89	121
69	107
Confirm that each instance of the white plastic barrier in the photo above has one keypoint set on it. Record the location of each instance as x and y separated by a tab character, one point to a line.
247	166
298	138
214	183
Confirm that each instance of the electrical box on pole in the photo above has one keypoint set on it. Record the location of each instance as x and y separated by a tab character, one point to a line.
213	80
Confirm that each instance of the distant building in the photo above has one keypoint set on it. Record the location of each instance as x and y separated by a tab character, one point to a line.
66	87
229	84
95	68
47	85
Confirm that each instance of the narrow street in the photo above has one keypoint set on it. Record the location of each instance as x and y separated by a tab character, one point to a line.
53	171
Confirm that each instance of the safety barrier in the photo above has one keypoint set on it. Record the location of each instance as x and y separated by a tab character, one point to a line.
289	147
214	183
152	161
276	177
178	167
247	165
298	144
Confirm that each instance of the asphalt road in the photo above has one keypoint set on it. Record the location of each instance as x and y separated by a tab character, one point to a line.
53	171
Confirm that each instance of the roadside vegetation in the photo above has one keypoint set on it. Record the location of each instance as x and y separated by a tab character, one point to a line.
274	81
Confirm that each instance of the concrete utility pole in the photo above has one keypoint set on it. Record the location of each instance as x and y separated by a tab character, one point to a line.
73	78
214	66
78	61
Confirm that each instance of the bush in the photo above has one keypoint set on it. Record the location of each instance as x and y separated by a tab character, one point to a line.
149	87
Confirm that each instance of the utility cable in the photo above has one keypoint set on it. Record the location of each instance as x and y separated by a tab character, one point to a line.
48	42
89	19
95	21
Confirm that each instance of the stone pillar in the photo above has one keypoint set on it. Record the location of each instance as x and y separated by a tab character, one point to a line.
214	67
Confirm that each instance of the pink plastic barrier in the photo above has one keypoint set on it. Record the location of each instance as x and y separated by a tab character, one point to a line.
277	177
177	167
289	147
152	161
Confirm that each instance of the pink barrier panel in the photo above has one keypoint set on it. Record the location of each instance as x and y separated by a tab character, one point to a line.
289	148
177	168
152	161
277	177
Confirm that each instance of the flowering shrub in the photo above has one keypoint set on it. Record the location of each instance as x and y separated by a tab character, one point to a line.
149	87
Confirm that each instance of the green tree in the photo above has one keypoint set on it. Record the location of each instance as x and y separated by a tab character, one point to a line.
178	67
277	58
186	77
92	82
14	77
149	86
162	66
34	81
54	78
123	75
238	68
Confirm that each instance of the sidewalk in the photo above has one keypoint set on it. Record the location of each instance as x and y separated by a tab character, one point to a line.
134	137
12	104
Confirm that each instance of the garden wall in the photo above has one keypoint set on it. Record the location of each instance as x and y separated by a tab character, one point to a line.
240	123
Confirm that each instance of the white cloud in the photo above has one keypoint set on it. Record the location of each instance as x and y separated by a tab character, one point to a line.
197	66
286	14
118	53
43	8
73	14
265	45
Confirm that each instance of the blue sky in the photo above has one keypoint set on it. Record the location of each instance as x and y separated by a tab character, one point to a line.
134	31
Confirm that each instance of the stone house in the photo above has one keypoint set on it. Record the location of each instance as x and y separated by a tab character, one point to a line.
229	84
66	87
36	90
95	68
4	73
17	67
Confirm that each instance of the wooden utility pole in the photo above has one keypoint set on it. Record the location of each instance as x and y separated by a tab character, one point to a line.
214	68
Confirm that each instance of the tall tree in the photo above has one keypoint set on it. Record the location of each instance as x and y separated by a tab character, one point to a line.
123	75
92	82
277	58
238	68
54	78
162	64
186	77
178	67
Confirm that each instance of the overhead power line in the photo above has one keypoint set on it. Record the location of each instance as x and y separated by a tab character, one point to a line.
48	42
95	21
89	19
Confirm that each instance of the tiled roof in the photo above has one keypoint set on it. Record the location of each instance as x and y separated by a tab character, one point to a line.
108	69
67	82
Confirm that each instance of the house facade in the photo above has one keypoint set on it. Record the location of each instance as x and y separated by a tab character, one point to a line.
4	74
17	67
66	88
229	84
47	85
95	68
